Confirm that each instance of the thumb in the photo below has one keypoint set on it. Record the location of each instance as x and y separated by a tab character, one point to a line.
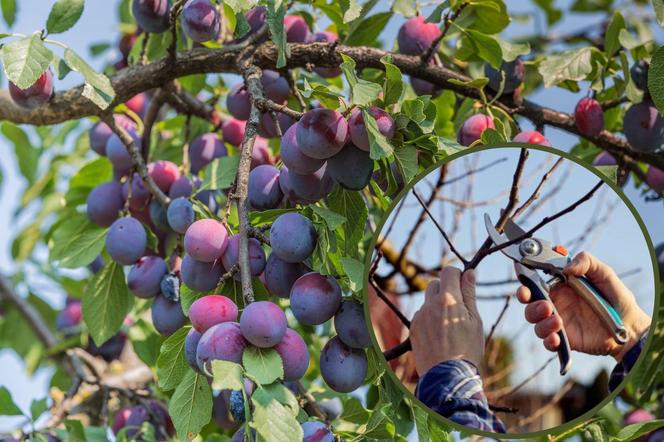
468	292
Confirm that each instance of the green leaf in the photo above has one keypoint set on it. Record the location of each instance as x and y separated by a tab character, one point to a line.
488	16
354	269
437	14
89	176
573	64
7	405
379	145
275	22
191	405
220	174
350	205
25	60
486	47
106	303
332	219
362	91
273	421
609	172
187	297
632	432
553	14
513	50
171	363
76	242
354	411
379	426
146	341
368	30
64	14
406	158
26	154
351	10
393	86
611	41
591	5
98	88
227	375
422	424
655	77
658	6
75	431
38	407
262	365
8	11
492	136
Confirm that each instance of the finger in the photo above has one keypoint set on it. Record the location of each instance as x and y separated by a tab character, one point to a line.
586	264
552	324
450	284
468	292
538	311
432	293
523	294
552	342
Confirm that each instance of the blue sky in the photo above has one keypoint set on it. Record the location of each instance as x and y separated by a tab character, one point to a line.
99	24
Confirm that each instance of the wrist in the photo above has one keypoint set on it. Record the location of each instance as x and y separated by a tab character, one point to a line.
636	327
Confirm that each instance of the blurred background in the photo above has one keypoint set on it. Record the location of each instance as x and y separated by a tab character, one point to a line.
99	24
518	371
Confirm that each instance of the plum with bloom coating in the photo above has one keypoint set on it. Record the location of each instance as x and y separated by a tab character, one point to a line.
292	237
315	298
321	133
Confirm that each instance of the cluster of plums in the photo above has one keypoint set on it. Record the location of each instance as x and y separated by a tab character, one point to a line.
131	419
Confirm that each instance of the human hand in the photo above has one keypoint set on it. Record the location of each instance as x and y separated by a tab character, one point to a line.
448	326
584	329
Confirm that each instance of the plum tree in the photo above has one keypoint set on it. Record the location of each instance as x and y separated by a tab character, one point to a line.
315	298
37	94
184	187
343	368
294	355
204	149
264	191
297	30
314	431
180	214
326	37
639	74
644	127
268	127
352	168
232	130
151	15
201	276
292	237
261	154
604	159
200	20
190	345
159	217
281	275
211	310
164	174
416	36
471	130
321	133
144	278
358	131
293	157
167	315
206	240
350	325
256	255
221	342
589	116
275	86
655	179
117	152
512	71
101	132
263	324
531	137
237	102
126	240
311	187
104	203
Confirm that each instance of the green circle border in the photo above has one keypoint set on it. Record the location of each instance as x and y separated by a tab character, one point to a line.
579	419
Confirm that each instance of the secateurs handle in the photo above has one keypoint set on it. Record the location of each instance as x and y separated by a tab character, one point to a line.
597	301
541	293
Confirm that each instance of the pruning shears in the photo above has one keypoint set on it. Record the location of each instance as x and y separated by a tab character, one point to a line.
531	254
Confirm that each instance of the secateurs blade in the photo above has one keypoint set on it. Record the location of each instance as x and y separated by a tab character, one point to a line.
531	254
